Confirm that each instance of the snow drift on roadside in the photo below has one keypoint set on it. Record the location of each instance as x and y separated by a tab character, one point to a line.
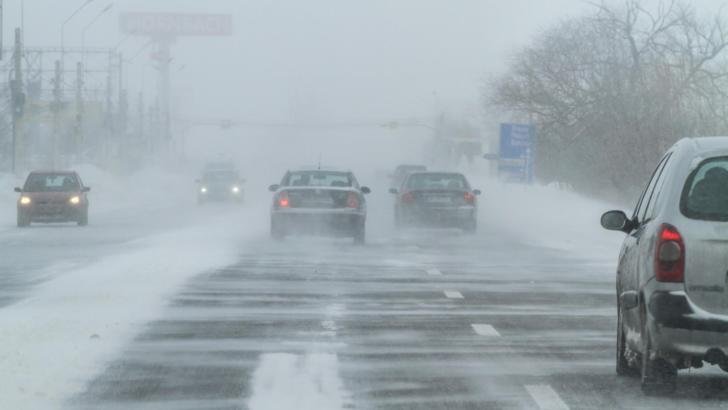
8	197
59	338
547	216
151	187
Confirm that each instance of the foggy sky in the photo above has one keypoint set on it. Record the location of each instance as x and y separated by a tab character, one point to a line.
318	60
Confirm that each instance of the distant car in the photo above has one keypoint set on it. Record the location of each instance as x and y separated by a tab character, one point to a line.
436	199
319	201
53	196
401	172
672	285
220	184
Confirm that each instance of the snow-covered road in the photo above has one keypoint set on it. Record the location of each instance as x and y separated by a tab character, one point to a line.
165	305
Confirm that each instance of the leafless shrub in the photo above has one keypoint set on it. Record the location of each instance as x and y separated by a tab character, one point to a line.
610	91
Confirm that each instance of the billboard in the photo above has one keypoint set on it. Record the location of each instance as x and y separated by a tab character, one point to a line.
176	24
516	152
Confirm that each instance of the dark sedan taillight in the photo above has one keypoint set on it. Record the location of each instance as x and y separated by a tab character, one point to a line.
407	198
669	255
352	200
282	201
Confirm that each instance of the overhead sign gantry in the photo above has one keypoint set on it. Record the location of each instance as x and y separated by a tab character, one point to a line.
164	29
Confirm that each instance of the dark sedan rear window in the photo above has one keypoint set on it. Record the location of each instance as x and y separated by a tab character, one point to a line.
437	181
51	183
705	195
318	178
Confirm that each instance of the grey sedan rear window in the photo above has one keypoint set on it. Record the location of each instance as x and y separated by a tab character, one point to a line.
437	181
705	195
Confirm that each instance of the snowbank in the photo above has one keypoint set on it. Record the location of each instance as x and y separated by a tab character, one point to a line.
8	197
71	326
547	216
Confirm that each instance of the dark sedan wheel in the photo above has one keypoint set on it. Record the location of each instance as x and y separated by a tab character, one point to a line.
658	376
276	231
360	236
471	226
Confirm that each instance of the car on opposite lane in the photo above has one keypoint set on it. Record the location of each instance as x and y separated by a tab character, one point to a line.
672	285
319	201
220	184
52	196
436	198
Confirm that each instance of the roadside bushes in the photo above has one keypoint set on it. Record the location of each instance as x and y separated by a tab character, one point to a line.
611	90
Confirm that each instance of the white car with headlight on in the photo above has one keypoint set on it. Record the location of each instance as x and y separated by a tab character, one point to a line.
220	185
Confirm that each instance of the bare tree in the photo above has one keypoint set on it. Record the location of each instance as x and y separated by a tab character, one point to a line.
611	91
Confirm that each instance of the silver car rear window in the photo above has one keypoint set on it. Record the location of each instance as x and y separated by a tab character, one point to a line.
705	195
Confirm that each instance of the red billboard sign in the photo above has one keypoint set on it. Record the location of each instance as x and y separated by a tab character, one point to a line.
176	24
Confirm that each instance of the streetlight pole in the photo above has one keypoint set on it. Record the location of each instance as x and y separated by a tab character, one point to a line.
91	23
63	31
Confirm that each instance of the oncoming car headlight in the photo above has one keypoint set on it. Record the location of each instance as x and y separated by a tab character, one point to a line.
24	200
75	200
235	190
203	190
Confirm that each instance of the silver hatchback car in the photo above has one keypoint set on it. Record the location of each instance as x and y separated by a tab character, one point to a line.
672	276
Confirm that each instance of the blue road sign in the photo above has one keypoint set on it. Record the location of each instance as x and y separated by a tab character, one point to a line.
516	152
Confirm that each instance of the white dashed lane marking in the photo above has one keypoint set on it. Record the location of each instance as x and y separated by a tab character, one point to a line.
484	330
433	271
453	294
546	397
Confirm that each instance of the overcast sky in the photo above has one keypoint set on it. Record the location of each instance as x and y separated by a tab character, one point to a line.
318	58
293	60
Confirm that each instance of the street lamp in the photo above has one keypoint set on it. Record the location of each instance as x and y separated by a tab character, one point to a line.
63	30
91	23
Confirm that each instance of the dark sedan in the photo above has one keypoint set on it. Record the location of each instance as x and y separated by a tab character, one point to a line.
436	199
320	202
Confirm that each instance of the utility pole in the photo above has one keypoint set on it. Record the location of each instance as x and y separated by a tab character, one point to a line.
56	107
17	95
79	109
163	92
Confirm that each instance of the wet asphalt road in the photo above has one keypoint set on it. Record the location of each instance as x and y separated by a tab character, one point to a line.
413	320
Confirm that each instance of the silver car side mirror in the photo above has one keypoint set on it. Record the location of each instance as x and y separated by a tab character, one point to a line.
616	221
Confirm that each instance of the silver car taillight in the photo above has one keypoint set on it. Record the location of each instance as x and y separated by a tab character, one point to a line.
669	255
